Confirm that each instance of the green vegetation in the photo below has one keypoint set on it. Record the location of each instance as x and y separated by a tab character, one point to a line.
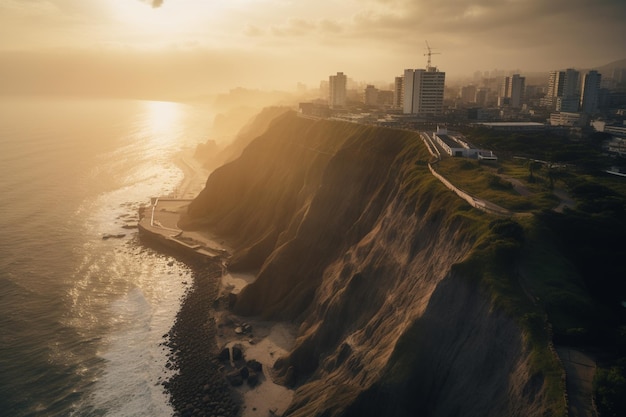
609	386
493	183
569	267
495	263
544	146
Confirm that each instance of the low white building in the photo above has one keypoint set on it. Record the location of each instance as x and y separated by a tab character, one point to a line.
568	119
455	144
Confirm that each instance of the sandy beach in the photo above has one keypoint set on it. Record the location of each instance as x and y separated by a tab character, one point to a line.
262	341
208	383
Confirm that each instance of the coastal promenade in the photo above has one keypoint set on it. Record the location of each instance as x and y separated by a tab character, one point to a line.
160	222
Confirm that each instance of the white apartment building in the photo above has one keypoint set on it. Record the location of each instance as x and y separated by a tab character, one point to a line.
423	91
563	90
337	88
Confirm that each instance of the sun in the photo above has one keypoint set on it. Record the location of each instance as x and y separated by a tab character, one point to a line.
172	22
138	16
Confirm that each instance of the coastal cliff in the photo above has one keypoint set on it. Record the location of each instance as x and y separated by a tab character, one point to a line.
397	284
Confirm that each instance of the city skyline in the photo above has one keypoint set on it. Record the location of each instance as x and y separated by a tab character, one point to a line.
199	46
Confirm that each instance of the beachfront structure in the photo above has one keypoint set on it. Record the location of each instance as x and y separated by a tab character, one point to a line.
337	88
423	91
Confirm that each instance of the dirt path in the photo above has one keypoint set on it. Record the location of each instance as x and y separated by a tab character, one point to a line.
566	200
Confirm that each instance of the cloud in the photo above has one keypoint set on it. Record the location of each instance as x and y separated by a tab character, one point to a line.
253	31
294	27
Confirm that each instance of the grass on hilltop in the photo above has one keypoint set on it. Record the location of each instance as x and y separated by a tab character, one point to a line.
490	182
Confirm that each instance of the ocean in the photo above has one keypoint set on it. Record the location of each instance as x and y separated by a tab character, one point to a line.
82	318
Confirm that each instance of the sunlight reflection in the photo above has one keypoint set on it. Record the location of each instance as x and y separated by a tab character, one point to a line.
163	119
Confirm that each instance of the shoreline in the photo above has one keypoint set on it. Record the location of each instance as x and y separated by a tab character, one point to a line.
205	329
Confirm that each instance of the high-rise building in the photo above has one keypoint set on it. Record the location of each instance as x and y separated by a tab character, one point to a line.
512	91
571	83
468	94
563	90
555	88
370	95
337	88
505	88
517	88
590	92
423	91
398	92
482	96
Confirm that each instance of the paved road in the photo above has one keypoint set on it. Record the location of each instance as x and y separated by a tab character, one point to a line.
580	369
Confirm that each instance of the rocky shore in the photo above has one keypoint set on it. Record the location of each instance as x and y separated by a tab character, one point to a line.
199	388
222	361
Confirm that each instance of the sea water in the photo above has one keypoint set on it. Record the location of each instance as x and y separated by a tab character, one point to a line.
82	318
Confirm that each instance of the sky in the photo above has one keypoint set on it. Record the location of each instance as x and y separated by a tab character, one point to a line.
186	47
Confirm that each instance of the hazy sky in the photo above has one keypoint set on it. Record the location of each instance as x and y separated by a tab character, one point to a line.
186	46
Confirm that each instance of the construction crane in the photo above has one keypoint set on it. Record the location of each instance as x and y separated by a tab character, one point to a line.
430	52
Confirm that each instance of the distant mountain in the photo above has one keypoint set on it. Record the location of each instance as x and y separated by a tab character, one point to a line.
607	70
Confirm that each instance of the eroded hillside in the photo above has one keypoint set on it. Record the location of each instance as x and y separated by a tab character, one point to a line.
388	273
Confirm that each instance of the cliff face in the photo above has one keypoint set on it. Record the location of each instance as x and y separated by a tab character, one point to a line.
354	239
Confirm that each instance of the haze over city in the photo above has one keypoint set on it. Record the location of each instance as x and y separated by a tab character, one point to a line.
185	47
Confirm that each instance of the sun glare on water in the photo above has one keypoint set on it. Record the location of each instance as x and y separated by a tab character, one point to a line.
163	119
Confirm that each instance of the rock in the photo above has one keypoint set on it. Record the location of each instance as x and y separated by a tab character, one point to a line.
253	379
237	353
234	378
290	377
254	365
224	355
116	236
232	299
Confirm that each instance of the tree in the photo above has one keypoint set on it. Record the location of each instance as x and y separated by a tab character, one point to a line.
609	388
